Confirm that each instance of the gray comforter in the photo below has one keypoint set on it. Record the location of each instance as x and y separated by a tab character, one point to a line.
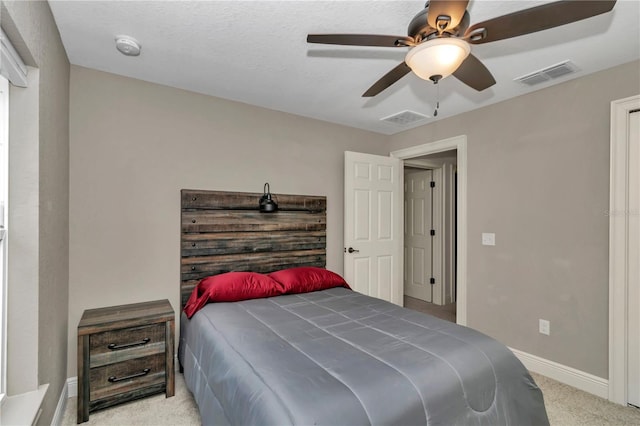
337	357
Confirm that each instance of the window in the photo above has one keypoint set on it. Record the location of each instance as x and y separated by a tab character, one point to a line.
4	179
14	71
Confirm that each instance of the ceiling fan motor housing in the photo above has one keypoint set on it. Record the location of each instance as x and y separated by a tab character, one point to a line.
419	28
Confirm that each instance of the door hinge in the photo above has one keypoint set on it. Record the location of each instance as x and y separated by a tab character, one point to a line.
433	184
433	232
432	280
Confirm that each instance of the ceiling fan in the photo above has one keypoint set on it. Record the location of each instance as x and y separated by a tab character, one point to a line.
439	36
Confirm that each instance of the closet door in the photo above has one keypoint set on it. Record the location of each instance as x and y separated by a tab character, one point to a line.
417	238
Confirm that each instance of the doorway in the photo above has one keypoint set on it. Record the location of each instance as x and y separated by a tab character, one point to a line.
624	249
459	145
429	234
633	301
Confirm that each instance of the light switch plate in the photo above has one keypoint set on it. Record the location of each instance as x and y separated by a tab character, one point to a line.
544	327
488	239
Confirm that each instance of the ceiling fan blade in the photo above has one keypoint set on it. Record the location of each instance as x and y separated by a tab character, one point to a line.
454	9
474	74
388	79
361	40
537	18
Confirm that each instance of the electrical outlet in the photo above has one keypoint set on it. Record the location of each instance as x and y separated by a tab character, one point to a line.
545	327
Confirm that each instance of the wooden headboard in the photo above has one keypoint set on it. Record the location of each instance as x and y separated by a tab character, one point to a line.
224	231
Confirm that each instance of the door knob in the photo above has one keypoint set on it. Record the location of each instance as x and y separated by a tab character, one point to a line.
352	250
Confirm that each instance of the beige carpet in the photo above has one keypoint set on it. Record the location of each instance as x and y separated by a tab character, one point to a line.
154	410
566	406
445	312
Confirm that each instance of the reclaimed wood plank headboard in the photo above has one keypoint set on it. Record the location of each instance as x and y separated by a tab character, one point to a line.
224	231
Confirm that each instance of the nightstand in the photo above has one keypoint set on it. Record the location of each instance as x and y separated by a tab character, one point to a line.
124	352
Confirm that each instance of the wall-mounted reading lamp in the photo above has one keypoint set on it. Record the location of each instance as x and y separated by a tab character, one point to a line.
267	205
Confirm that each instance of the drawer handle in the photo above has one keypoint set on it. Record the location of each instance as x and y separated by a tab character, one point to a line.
114	379
115	347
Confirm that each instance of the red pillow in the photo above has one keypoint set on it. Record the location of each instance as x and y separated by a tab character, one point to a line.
231	287
307	278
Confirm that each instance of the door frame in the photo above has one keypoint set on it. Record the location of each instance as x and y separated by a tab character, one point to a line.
459	143
618	247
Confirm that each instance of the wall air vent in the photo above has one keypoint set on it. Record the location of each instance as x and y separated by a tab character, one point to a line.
549	73
403	118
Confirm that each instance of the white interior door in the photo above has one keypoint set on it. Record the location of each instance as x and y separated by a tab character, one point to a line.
418	218
373	225
633	306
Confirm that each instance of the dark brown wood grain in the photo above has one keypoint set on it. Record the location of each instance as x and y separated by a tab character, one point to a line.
146	330
138	341
243	242
224	231
170	370
257	262
83	379
101	387
123	316
252	221
126	396
224	200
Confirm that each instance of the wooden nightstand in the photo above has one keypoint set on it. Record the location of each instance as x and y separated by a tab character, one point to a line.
124	352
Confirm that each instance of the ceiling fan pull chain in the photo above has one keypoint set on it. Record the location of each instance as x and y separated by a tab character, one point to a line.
435	113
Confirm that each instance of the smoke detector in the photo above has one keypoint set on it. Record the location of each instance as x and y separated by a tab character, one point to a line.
128	46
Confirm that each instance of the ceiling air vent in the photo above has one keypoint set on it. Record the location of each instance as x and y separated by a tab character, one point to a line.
403	118
549	73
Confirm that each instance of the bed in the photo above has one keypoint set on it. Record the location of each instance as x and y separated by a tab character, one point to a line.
332	356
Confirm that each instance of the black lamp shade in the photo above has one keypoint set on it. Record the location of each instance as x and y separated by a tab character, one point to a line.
267	205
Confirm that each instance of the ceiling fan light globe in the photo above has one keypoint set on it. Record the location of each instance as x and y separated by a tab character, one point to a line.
441	56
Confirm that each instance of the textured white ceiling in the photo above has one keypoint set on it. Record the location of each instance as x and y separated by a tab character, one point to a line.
256	52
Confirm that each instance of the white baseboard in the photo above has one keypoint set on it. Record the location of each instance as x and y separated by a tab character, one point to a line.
62	405
72	386
69	390
570	376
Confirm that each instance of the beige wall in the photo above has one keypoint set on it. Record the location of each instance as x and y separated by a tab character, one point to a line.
39	206
538	177
134	145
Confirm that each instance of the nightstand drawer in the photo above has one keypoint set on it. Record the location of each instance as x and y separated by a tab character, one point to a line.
121	345
124	376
